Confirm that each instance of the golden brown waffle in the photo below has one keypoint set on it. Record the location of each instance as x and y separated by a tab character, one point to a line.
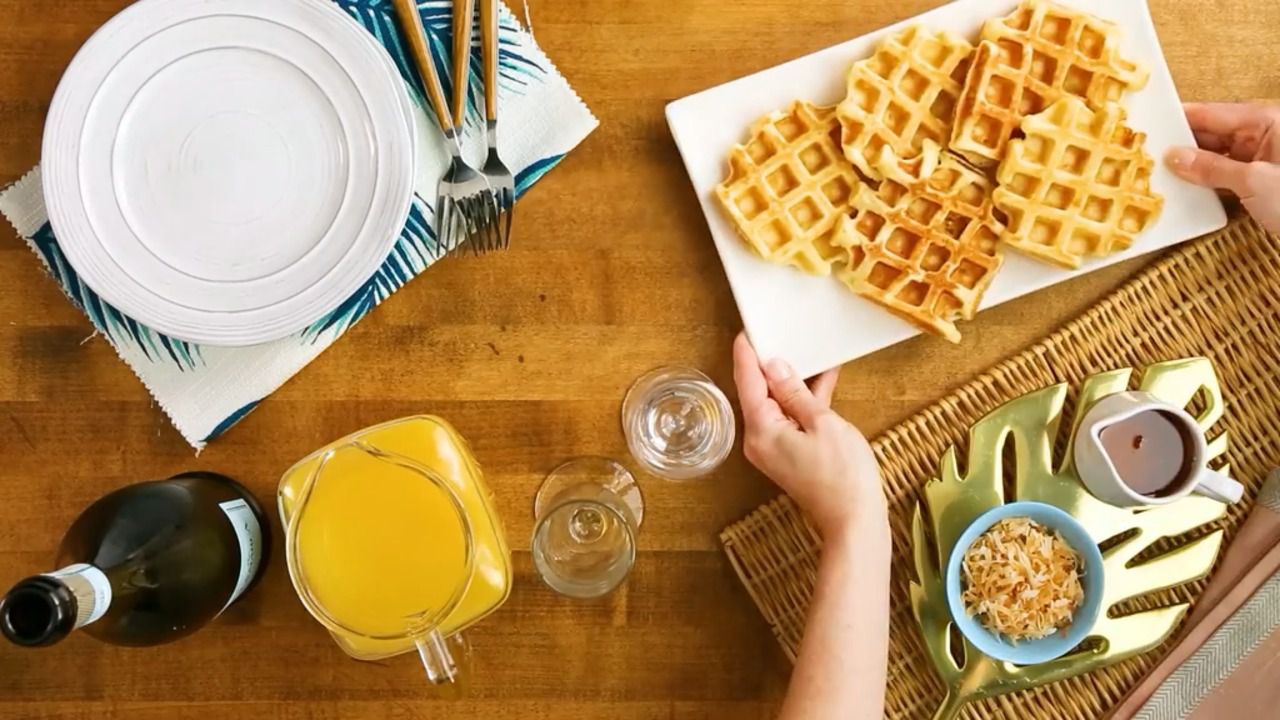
903	95
1030	59
926	244
1078	185
789	185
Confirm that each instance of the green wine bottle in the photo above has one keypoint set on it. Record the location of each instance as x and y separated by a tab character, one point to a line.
145	565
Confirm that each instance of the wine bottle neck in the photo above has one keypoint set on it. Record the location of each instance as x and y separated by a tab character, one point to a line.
38	611
44	609
91	589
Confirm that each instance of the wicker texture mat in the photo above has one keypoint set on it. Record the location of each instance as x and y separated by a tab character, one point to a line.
1218	297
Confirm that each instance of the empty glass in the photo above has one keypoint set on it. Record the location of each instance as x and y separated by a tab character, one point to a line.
678	424
588	513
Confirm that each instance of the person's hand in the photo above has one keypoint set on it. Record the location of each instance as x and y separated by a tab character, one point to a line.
794	437
1239	151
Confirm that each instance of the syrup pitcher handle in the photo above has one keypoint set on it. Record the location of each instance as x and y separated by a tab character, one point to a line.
1214	484
444	659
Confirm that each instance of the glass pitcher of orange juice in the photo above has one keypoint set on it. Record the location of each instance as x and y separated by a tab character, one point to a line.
393	542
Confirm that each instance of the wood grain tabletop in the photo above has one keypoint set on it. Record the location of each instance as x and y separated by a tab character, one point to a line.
528	352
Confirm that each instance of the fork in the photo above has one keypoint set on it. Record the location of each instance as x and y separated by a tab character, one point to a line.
479	204
502	193
493	206
456	210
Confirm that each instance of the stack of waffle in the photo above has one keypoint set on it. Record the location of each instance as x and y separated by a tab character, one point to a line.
942	153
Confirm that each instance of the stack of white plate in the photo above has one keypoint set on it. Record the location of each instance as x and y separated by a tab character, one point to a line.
229	171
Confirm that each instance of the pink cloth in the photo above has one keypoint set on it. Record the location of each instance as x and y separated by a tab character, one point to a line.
1251	560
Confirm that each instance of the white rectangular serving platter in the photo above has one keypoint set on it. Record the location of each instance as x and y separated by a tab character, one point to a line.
816	323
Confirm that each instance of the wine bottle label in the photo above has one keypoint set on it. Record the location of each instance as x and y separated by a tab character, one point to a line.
249	534
91	588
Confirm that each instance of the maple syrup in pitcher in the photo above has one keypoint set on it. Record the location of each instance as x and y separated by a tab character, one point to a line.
1150	452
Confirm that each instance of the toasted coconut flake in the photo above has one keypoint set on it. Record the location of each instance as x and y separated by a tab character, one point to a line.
1021	580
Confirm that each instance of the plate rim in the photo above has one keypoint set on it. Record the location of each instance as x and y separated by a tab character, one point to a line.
391	197
93	158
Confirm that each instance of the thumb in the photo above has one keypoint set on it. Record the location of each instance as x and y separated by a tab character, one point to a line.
1212	170
795	398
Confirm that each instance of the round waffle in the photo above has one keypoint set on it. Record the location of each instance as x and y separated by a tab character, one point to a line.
903	95
925	244
1078	185
788	186
1029	59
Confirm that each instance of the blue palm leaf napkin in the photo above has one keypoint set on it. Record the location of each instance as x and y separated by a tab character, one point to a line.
204	389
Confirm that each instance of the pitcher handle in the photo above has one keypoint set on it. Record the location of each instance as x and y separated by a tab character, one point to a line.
443	658
1214	484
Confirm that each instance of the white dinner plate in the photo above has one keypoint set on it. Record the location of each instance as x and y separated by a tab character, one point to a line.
814	322
228	171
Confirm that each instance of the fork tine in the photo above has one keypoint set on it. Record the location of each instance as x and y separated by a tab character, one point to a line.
461	233
508	208
447	226
472	223
466	221
478	243
476	235
481	206
451	225
479	217
462	221
437	224
491	221
463	236
485	221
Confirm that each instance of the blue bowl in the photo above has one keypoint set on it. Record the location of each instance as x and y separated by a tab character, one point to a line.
1030	652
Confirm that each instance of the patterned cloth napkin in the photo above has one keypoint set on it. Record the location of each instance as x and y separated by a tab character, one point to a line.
1222	664
204	389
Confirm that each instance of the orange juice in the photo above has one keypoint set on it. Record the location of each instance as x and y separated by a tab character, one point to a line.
396	534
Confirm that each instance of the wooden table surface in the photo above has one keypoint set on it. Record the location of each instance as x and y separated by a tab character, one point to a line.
528	353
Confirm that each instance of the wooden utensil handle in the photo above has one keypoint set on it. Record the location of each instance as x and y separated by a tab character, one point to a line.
489	38
416	34
463	14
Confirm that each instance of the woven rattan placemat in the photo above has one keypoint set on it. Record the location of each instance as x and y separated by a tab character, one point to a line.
1218	297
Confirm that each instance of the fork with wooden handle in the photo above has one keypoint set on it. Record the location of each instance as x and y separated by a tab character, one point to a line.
479	206
501	182
463	18
455	209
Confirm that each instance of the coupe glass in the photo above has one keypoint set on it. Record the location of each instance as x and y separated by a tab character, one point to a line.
678	424
588	513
